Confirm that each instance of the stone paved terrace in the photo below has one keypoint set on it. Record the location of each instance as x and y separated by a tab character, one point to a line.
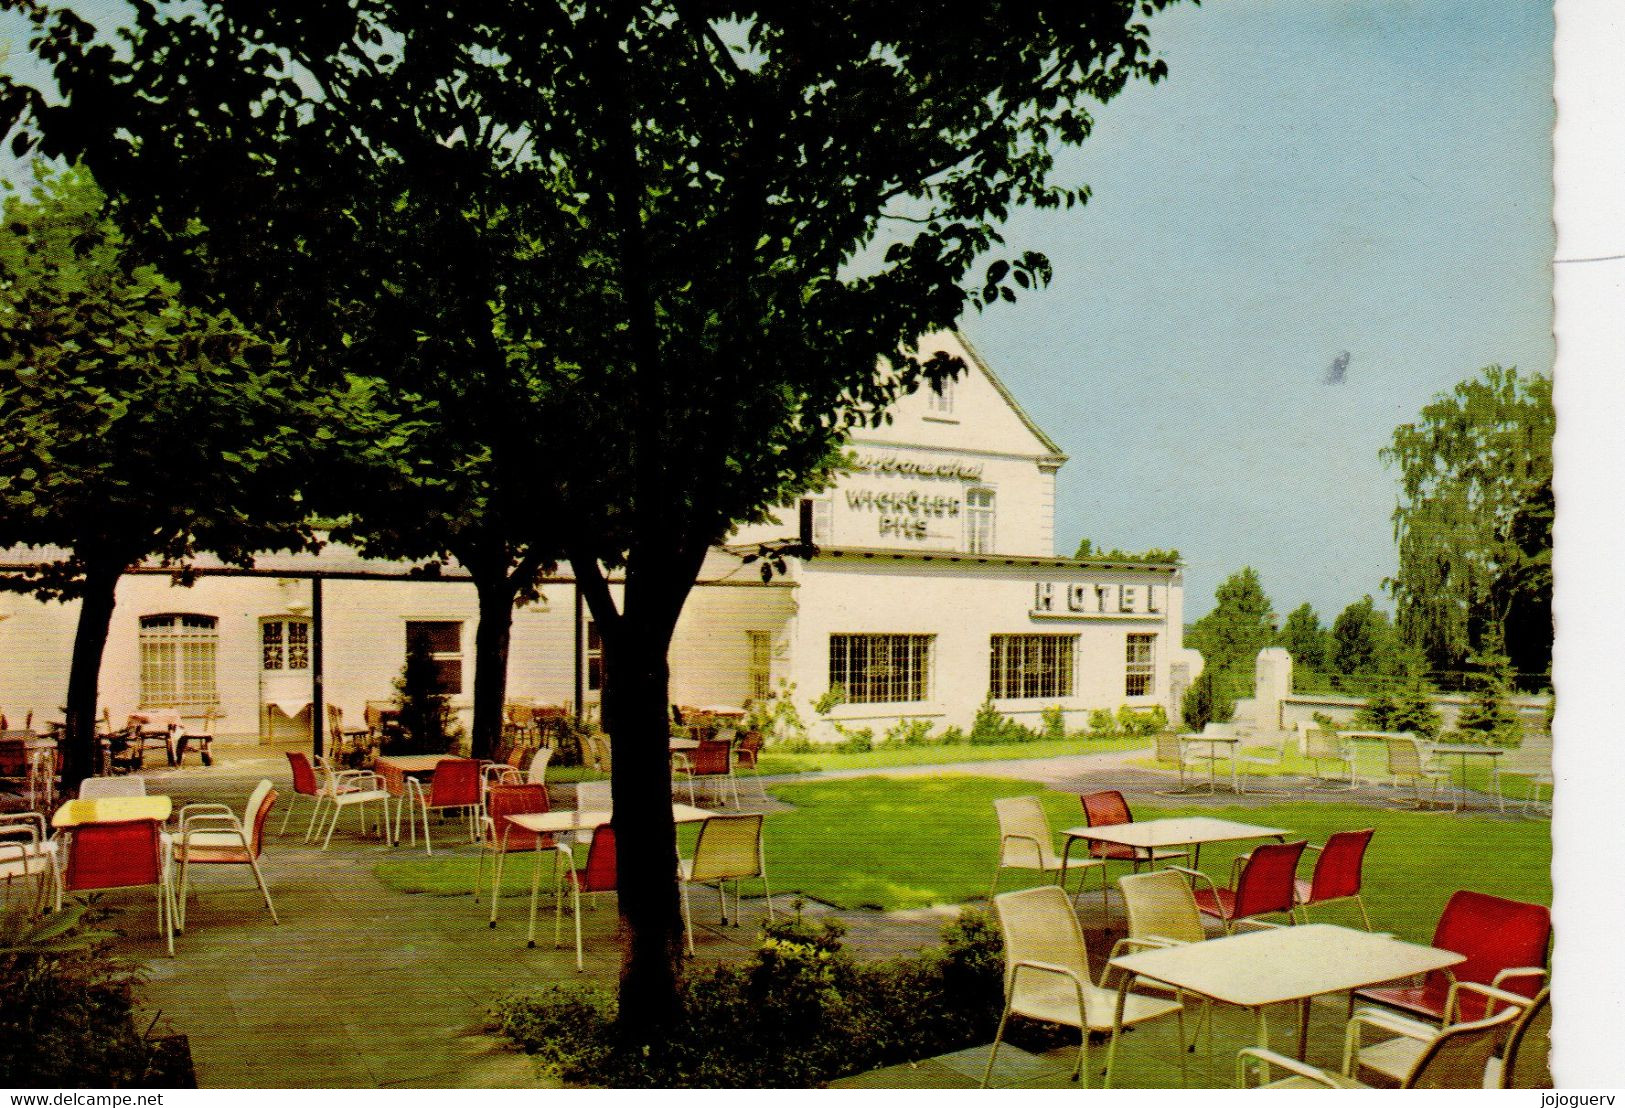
364	986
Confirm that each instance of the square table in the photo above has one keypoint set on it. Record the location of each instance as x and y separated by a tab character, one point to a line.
1463	751
111	809
1155	834
1229	742
1276	966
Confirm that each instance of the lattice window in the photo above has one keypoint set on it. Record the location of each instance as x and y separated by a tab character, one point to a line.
759	675
1140	665
177	654
1027	667
940	396
979	514
284	644
881	669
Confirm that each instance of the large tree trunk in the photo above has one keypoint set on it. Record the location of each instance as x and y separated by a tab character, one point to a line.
491	638
80	754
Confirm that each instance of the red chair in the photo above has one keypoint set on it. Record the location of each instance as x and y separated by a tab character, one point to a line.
1505	942
1266	886
128	855
748	755
712	760
213	835
1109	809
305	783
502	837
597	876
456	786
1337	873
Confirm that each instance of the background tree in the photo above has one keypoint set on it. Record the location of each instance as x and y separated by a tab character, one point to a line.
1231	635
135	425
1364	650
1474	556
1310	646
1489	717
767	265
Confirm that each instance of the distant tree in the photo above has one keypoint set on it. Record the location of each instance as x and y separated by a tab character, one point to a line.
428	725
1310	646
1156	555
1231	635
1205	702
132	425
1405	704
1473	522
1363	647
1489	717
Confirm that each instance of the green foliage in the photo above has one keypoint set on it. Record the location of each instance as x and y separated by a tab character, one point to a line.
855	740
68	1020
909	732
1489	718
1052	722
1087	553
1310	646
992	726
831	698
428	725
778	718
1231	635
1139	723
1364	649
1101	722
1206	701
1474	521
952	735
799	1014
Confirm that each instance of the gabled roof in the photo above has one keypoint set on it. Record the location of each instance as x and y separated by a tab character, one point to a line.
1015	405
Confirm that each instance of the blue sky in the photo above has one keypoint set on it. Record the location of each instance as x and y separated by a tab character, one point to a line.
1314	177
1369	176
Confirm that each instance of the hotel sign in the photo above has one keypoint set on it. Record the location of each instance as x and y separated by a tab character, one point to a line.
1056	600
903	513
890	465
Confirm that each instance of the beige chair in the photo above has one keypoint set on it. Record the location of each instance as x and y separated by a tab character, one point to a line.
1406	764
1266	757
1321	745
1168	748
353	788
93	788
1455	1058
1025	842
729	849
213	835
1046	976
1525	1062
28	851
1162	911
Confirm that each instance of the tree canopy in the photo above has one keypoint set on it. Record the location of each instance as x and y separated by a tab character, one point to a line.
1474	522
745	216
136	425
1231	635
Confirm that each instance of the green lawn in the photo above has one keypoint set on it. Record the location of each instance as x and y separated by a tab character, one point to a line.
902	843
911	842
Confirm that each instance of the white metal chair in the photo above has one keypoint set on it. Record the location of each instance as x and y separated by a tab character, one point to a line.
93	788
1025	842
1321	745
1454	1058
1407	764
212	834
1046	976
353	788
729	849
28	851
1168	747
1265	756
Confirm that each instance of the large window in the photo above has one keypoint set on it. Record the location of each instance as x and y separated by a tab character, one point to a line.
760	674
881	669
1141	667
177	661
1027	667
443	640
940	395
979	521
284	644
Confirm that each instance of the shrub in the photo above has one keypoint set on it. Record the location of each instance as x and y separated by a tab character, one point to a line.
68	1019
1488	718
801	1013
779	720
1053	722
1140	722
427	723
952	735
855	740
992	726
1102	724
909	732
1206	701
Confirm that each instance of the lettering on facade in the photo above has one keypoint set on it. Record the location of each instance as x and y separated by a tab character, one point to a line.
902	515
1090	598
891	465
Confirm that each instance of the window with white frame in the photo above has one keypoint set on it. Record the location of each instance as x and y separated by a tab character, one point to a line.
284	645
940	396
881	669
759	674
1028	667
442	639
1140	665
979	521
177	652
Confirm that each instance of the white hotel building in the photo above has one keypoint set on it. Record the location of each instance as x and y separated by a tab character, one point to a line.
936	583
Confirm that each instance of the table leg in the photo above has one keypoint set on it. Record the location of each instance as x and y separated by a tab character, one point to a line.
1303	1029
535	888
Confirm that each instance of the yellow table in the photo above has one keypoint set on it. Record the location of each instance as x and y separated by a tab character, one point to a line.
111	809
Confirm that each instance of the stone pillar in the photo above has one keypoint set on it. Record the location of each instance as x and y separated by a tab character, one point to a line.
1272	683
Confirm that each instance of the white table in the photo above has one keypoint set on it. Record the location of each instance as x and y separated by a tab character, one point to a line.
1213	742
1277	966
1155	834
1463	751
